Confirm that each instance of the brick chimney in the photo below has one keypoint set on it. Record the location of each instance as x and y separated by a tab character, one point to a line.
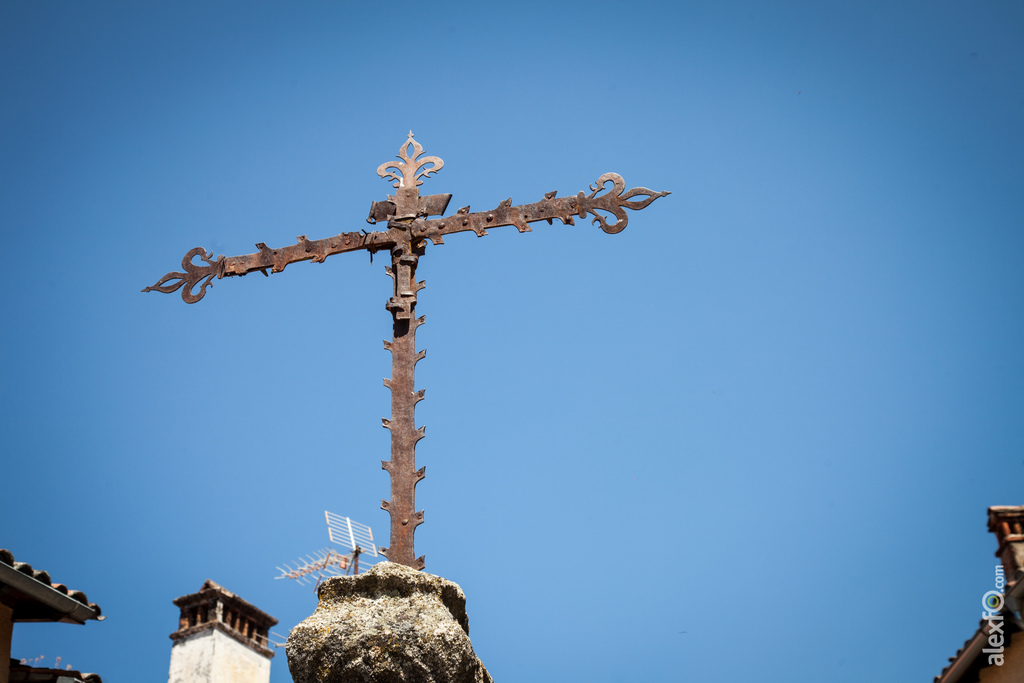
221	638
1007	523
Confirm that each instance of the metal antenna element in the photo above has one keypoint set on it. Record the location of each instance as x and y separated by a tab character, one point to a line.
411	221
321	564
327	562
343	531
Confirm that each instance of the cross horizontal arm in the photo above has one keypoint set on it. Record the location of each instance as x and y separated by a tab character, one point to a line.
614	202
549	208
266	258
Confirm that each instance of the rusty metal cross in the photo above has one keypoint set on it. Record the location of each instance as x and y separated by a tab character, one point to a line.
409	226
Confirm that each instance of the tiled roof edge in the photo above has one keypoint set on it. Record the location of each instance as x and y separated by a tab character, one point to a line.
965	656
36	583
70	673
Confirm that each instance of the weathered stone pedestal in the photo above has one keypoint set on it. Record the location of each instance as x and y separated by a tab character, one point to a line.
392	624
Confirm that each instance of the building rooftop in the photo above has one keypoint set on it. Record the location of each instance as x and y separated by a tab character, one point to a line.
33	595
22	673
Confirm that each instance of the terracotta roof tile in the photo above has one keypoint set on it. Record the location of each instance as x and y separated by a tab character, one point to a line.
43	577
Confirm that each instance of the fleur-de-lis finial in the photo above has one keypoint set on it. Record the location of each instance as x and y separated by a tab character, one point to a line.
409	170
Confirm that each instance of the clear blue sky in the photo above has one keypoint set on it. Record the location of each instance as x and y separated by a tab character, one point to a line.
753	436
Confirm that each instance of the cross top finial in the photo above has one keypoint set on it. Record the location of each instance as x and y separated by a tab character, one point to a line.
409	170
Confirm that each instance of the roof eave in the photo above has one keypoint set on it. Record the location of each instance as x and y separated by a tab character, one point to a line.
959	666
72	610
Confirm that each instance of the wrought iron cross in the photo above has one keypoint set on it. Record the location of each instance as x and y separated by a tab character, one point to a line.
409	227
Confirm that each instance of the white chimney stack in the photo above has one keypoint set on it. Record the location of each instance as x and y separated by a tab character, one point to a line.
221	638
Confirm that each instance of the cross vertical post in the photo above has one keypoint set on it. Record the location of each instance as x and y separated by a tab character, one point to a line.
404	397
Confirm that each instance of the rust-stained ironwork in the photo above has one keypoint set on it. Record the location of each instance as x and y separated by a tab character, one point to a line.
411	222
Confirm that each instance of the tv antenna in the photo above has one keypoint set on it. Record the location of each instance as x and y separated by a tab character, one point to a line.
327	562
